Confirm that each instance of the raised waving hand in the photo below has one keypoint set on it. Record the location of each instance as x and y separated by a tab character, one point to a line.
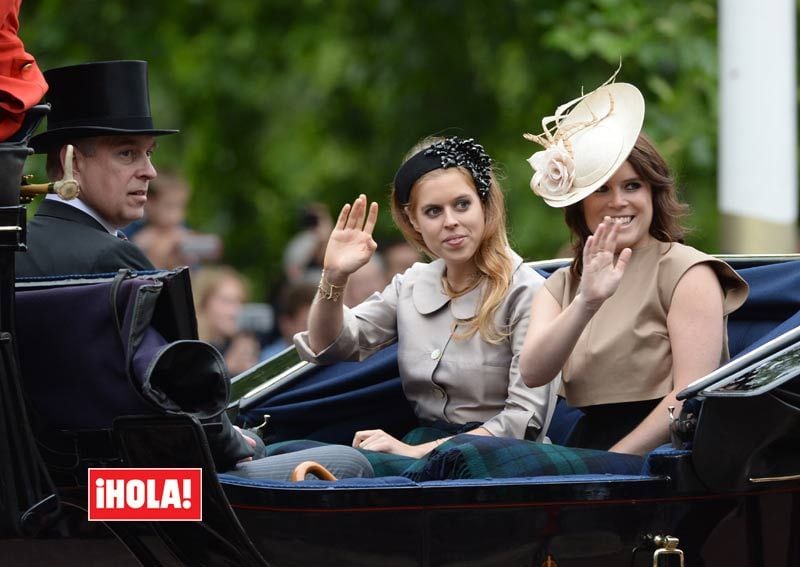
350	245
601	273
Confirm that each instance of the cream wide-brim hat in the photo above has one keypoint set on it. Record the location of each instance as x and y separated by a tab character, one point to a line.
606	125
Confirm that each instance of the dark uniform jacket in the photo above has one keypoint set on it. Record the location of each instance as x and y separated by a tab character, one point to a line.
64	240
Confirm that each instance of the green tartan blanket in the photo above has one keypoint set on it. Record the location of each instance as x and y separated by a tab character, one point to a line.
383	464
474	456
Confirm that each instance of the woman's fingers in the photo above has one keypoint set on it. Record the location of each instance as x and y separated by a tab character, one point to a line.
356	211
341	222
359	437
374	440
353	217
361	213
604	239
623	259
611	239
362	436
587	249
608	239
372	218
591	242
600	236
384	443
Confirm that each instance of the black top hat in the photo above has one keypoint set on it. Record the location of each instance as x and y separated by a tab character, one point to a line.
97	99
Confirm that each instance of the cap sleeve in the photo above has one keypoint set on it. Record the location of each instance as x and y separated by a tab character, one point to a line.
734	288
556	284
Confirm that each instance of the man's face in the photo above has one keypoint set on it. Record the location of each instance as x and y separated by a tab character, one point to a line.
114	178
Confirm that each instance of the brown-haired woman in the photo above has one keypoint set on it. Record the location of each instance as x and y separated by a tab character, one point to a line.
638	315
459	321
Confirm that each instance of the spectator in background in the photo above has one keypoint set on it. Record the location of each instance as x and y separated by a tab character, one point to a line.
219	294
292	308
365	281
398	256
163	236
302	258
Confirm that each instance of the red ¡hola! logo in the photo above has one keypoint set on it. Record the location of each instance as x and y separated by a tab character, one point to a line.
145	495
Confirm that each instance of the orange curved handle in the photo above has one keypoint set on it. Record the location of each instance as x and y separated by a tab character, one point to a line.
311	467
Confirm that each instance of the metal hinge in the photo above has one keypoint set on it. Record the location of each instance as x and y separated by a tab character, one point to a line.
260	430
667	545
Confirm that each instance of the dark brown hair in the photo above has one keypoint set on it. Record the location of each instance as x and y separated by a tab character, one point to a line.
667	209
54	167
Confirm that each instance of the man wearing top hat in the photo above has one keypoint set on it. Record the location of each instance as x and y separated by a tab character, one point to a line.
103	110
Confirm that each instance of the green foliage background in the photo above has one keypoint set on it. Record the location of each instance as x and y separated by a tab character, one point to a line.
281	102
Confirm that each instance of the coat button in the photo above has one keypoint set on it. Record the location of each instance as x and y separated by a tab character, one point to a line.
436	354
439	392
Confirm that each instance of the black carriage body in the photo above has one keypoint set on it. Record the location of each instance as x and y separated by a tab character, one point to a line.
600	522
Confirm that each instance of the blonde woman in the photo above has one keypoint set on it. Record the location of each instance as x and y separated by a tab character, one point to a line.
459	321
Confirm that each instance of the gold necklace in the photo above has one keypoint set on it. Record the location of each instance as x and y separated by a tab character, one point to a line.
452	294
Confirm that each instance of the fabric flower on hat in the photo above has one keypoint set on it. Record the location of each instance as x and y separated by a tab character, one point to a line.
554	171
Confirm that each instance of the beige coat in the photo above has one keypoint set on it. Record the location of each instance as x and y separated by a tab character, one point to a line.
445	378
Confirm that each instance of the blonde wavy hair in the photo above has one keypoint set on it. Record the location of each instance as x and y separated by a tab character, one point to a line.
491	259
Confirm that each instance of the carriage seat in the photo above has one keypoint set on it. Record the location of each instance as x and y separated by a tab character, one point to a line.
772	308
93	348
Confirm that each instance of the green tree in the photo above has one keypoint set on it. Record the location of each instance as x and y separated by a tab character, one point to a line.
281	102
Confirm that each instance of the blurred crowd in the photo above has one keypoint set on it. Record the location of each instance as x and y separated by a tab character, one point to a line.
247	325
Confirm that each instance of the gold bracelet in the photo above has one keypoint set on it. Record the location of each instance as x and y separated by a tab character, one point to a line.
329	291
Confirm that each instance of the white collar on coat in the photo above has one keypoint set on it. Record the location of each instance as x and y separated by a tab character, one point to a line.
429	296
81	206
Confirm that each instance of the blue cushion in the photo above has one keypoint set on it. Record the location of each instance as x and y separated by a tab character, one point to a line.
565	418
772	307
660	455
330	403
385	481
